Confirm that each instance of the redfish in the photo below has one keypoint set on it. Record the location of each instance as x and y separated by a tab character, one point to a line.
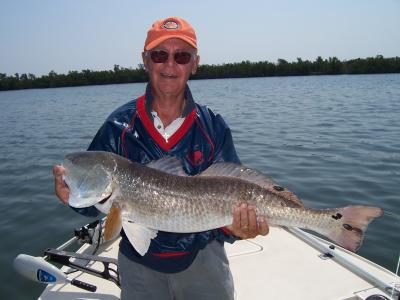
162	197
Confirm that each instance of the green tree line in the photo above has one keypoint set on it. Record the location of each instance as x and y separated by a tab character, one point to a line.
320	66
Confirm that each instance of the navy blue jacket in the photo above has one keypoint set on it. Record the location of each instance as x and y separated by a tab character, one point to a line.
202	139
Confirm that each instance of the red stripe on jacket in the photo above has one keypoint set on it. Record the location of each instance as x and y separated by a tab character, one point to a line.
157	137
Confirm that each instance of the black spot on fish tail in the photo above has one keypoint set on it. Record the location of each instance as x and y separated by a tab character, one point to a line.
338	216
278	188
351	228
347	227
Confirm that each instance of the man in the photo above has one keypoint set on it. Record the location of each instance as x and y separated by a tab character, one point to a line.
167	121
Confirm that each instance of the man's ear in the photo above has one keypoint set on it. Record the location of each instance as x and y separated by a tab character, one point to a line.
196	64
144	58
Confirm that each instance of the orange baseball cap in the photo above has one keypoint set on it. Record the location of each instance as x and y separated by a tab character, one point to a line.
171	27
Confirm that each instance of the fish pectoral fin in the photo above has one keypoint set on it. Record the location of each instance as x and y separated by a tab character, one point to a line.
139	236
113	223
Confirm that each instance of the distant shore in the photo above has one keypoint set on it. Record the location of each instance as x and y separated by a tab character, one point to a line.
320	66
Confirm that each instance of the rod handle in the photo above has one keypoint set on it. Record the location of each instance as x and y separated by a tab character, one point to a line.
84	285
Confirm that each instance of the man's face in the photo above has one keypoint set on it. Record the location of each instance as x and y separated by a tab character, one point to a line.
169	78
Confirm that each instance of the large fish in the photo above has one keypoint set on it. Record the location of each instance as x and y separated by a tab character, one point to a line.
161	196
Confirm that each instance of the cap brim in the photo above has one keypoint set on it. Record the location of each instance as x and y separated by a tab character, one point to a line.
158	41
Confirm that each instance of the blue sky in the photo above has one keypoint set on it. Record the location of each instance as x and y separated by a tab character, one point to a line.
37	36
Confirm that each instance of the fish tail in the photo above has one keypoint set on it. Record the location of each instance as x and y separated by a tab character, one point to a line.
354	221
113	223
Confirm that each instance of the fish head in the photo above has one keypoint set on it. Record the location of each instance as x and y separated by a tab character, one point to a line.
89	178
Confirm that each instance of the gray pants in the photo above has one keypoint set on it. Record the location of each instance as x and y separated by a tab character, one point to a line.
208	278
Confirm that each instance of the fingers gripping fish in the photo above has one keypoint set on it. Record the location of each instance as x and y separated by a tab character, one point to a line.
161	196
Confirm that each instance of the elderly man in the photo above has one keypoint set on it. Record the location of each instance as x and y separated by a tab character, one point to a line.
167	121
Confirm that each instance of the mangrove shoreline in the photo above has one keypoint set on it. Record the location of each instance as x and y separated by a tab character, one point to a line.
320	66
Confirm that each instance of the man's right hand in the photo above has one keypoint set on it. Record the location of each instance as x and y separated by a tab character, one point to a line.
61	188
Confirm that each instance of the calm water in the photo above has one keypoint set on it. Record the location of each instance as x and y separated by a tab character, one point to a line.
333	140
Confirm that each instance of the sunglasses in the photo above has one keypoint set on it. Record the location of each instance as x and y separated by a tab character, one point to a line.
161	56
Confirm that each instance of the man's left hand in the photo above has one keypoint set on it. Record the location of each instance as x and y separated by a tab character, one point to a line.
245	224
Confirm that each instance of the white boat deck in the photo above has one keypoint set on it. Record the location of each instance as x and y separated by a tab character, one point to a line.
279	266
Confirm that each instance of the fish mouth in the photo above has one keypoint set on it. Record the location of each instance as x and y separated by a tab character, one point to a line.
82	203
104	200
105	204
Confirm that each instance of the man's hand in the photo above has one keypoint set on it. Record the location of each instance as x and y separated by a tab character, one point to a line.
245	224
62	190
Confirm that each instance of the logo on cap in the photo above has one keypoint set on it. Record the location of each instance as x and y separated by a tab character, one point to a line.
170	24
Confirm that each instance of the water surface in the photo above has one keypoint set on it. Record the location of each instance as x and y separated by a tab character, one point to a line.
333	140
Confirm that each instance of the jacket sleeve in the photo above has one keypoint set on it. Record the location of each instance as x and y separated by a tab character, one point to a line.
106	139
224	235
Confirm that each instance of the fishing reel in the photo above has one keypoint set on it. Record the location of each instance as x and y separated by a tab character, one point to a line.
90	233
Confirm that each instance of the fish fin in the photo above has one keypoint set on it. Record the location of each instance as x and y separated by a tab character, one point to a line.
228	169
168	164
139	236
113	223
354	220
238	171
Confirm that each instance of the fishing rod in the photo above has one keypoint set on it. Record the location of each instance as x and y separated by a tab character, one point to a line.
329	251
39	269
